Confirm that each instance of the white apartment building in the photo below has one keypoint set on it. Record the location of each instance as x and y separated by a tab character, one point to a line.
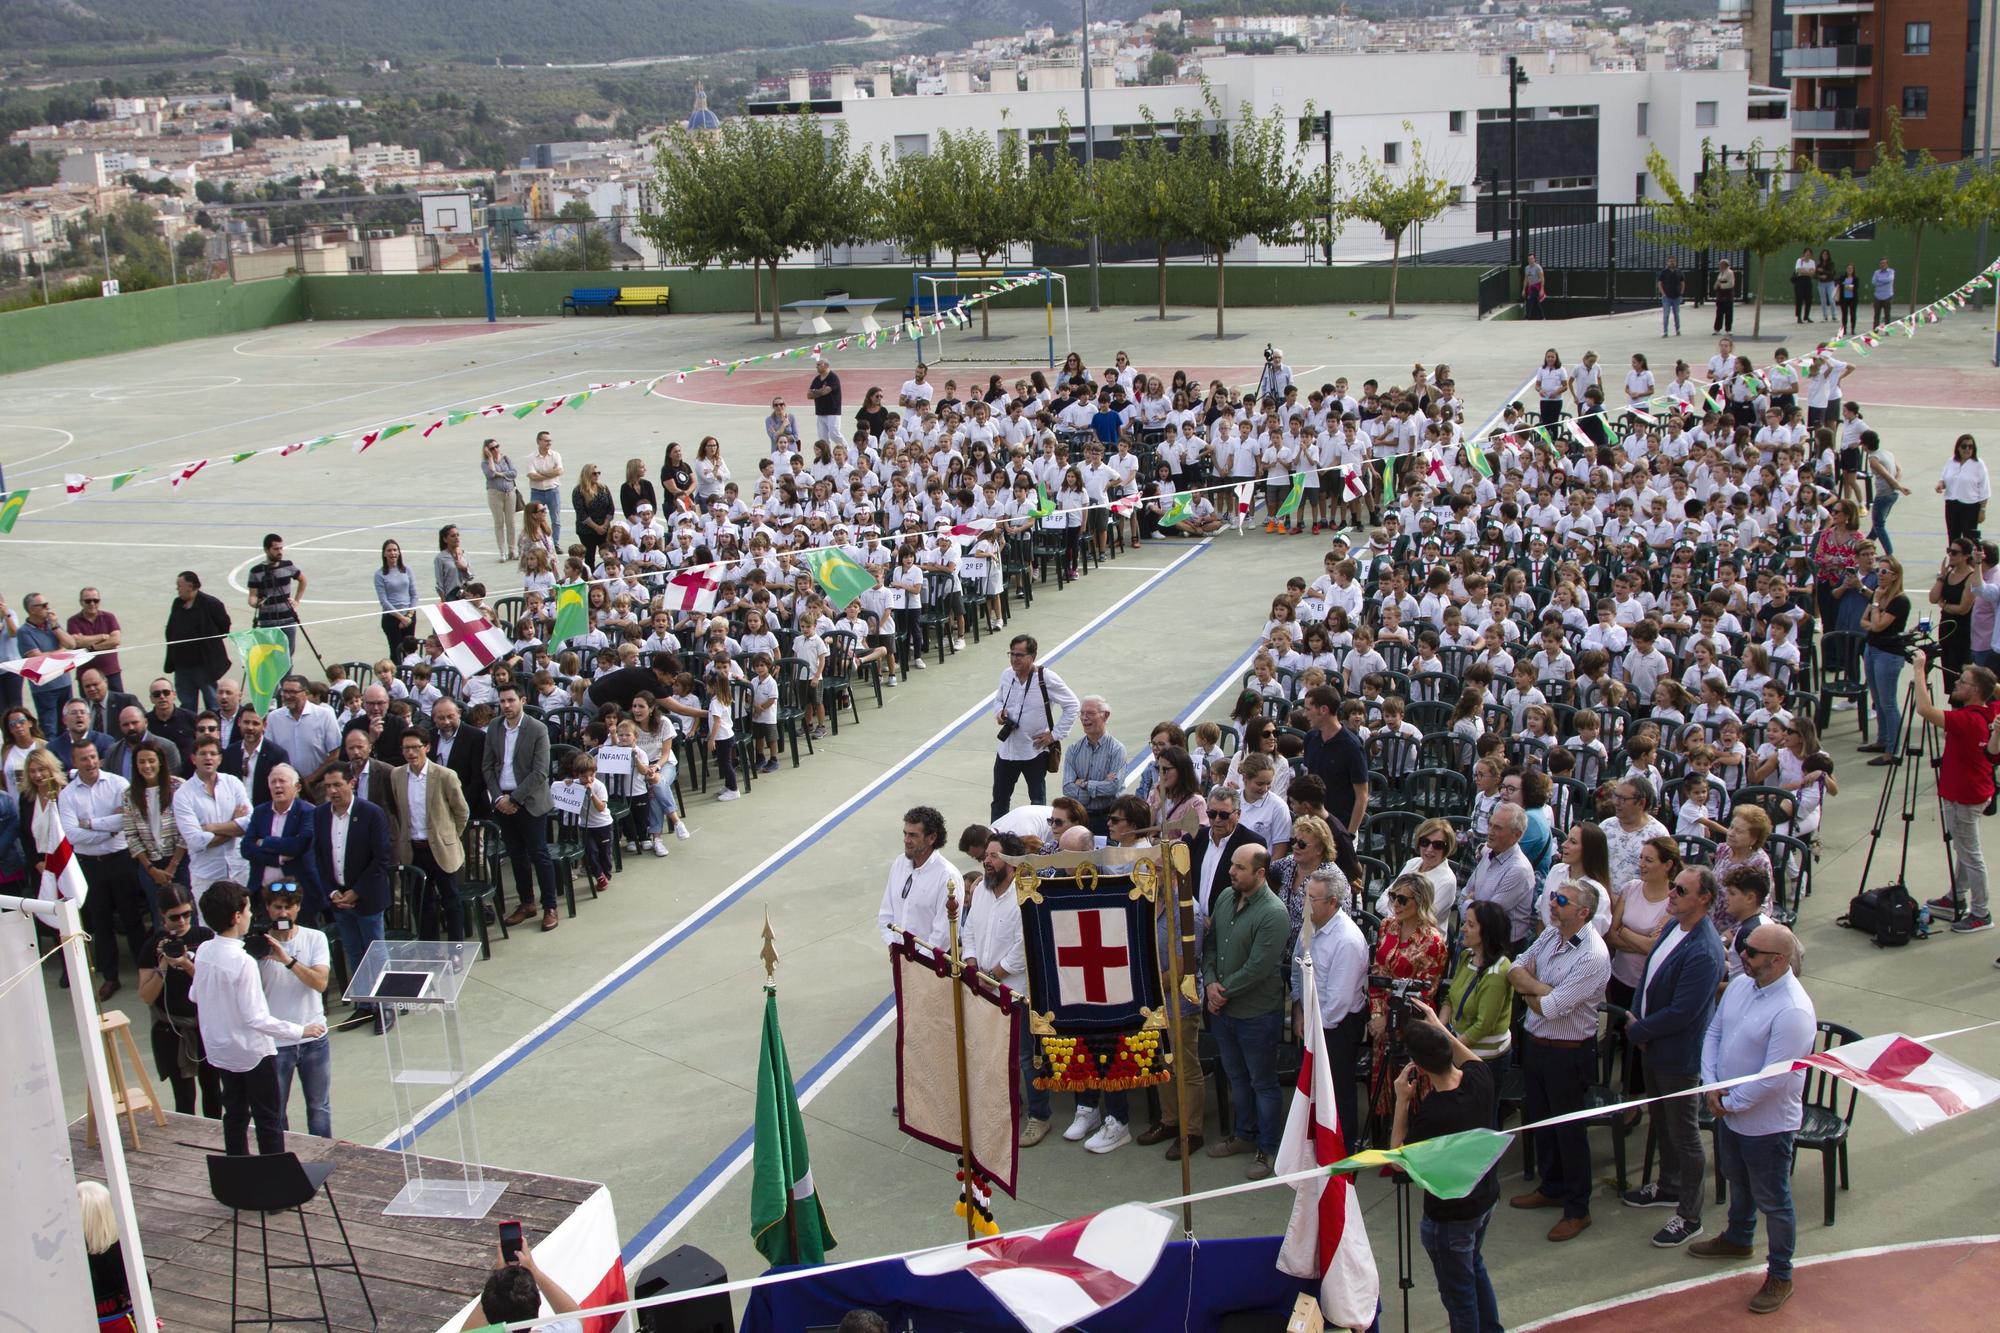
1584	133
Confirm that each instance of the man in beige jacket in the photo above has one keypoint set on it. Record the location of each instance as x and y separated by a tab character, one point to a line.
428	809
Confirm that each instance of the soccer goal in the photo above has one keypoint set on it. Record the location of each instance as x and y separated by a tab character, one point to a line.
938	292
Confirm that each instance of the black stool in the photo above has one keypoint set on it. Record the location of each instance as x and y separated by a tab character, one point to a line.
276	1182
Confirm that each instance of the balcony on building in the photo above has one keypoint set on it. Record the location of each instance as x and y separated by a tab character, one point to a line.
1831	123
1822	8
1845	60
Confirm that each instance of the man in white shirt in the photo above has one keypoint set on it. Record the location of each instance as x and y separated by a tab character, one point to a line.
295	973
919	881
307	732
92	807
917	391
1035	711
238	1030
1340	976
211	809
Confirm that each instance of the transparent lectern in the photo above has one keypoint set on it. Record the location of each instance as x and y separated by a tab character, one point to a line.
420	980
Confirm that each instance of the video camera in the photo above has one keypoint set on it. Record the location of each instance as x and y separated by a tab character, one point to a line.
1269	352
1919	640
1401	991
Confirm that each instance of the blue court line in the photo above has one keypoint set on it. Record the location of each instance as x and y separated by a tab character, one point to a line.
690	926
637	1245
694	1189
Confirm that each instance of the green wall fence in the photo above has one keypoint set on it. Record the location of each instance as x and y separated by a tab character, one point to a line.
72	330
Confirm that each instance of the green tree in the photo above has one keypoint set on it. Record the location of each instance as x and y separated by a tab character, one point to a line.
1140	193
576	210
1742	212
1245	180
1914	192
1395	204
982	194
759	190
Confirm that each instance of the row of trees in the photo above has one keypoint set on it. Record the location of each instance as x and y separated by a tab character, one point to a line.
1748	211
763	188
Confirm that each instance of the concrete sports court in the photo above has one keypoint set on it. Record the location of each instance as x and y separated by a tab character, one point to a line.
623	1046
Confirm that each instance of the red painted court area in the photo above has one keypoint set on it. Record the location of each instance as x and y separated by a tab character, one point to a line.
1952	1287
419	335
1923	388
886	370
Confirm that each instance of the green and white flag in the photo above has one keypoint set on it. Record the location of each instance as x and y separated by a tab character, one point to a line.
266	658
572	615
787	1223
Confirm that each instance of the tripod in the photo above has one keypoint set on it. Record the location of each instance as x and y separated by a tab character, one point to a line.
1919	751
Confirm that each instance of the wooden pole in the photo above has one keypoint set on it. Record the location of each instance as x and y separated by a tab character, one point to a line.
1180	931
958	1045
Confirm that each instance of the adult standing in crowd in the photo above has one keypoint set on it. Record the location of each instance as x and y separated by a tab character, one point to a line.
1460	1092
1094	767
1534	288
1964	784
133	735
1670	282
1883	283
276	586
1632	801
106	705
676	478
238	1030
11	692
40	634
1966	488
919	882
351	861
197	643
1955	594
517	778
251	755
168	721
212	809
1036	711
545	473
1884	620
1671	1008
278	841
1764	1018
1722	289
462	750
430	818
92	806
1241	950
592	502
166	988
96	630
1885	477
306	731
1504	875
449	570
503	496
1479	1004
396	595
20	737
1562	978
151	836
1336	756
1340	972
824	390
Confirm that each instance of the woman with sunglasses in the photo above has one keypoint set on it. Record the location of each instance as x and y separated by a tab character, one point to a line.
1955	593
1260	736
537	534
166	982
1312	847
1410	948
1584	853
593	505
20	736
1436	840
1966	488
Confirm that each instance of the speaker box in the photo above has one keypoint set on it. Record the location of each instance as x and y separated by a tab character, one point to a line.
685	1269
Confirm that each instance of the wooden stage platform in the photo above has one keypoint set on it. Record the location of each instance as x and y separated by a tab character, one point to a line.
420	1271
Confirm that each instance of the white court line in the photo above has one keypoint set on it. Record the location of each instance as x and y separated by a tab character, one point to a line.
1873	403
492	396
68	439
692	921
199	546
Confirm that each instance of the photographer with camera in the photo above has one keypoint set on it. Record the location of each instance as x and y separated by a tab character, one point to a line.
1460	1092
1965	784
166	987
1408	964
1562	977
296	964
1036	712
238	1029
515	1291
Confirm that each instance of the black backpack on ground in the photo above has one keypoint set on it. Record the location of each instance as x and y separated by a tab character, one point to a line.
1888	914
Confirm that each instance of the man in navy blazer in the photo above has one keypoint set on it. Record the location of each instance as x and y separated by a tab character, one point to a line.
278	844
1670	1013
353	883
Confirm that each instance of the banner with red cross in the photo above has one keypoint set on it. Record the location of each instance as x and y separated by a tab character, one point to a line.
1096	1006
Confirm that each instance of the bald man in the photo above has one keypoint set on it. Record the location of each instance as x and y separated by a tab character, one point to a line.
1765	1017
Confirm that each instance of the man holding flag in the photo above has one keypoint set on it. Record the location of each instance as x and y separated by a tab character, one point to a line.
1461	1096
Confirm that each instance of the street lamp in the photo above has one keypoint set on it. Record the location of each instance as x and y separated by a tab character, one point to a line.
1517	78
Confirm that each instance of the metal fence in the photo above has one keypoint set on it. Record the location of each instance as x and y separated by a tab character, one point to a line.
1603	257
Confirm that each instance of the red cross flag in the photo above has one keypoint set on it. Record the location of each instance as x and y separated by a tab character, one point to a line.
62	877
1326	1238
1912	1083
1435	466
692	590
1352	485
965	534
46	668
470	641
1125	504
1093	962
1245	495
1061	1276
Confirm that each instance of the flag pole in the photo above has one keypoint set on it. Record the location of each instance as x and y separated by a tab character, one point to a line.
1174	862
964	1093
769	955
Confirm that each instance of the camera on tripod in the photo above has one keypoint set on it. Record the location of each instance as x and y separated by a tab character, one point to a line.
1401	991
1919	640
1269	352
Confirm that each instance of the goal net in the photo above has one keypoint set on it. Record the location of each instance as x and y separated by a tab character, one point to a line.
939	292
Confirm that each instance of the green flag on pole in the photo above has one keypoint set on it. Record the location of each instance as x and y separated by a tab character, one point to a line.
1293	497
841	577
787	1223
1388	482
1176	511
1447	1167
1476	455
266	658
1044	506
572	615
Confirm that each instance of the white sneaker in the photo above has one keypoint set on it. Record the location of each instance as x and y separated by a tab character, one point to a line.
958	645
918	664
1110	1136
1088	1118
728	795
659	847
682	831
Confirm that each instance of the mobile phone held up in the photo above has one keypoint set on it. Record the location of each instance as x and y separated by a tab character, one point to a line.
510	1242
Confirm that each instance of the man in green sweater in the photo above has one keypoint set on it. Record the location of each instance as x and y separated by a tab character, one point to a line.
1243	956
